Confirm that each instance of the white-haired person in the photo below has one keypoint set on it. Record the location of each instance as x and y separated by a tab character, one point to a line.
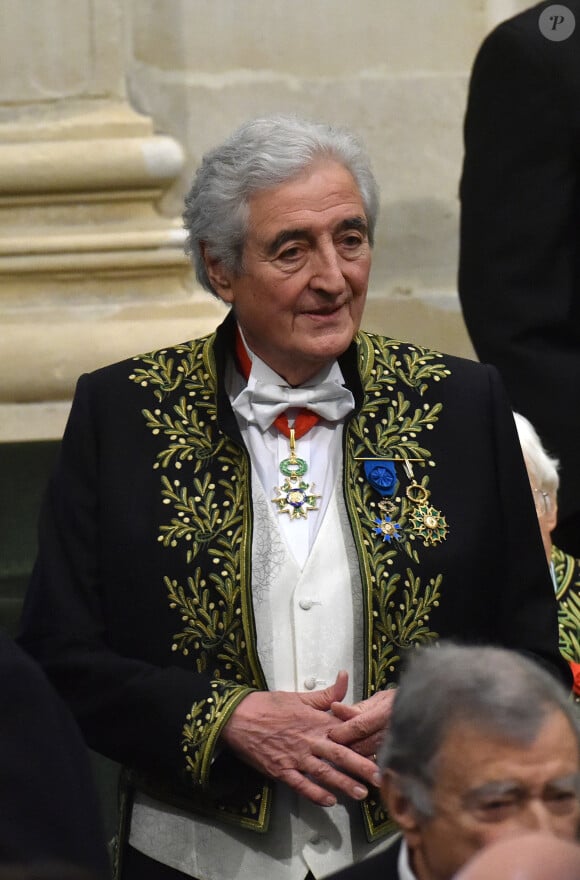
544	480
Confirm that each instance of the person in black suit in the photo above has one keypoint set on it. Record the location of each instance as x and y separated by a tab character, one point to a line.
519	268
482	744
49	810
246	533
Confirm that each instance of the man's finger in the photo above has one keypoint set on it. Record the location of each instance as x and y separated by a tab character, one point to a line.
352	768
324	699
344	712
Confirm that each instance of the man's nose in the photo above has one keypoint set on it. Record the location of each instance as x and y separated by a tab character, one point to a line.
327	273
538	817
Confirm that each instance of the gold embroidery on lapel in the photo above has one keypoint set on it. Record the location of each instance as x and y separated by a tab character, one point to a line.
391	425
204	484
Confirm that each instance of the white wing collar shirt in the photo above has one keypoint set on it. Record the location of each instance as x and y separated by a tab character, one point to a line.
258	403
404	865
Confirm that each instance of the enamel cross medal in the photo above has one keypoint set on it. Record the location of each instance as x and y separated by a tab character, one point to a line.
295	497
426	522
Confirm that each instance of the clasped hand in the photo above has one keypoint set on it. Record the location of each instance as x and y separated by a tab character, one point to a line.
312	742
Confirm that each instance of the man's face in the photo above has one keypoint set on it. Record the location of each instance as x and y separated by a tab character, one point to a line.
487	789
300	295
547	511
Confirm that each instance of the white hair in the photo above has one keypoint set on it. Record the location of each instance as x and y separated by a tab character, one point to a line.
262	154
542	468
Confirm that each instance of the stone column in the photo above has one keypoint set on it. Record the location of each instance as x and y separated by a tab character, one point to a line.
90	269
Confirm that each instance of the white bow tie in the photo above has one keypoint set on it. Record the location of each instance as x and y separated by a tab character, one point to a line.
263	403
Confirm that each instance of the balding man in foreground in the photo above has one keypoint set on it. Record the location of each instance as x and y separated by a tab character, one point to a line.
533	856
482	745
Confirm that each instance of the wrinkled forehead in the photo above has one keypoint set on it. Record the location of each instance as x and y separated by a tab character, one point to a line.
321	199
477	757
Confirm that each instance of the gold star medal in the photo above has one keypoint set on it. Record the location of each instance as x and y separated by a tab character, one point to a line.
425	521
295	497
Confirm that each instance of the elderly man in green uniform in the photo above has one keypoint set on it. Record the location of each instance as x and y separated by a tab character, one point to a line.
246	532
565	569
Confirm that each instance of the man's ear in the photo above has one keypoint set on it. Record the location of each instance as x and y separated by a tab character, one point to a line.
552	513
400	807
219	276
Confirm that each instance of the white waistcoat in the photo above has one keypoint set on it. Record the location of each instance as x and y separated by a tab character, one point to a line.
317	611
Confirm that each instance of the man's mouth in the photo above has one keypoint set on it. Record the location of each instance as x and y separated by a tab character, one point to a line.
325	312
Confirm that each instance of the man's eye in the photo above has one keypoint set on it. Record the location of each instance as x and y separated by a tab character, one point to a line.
497	803
290	254
497	809
561	801
352	241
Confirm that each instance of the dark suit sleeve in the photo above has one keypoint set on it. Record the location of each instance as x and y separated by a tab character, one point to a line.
88	624
49	805
519	279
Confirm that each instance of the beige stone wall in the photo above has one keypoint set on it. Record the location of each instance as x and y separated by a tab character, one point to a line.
91	268
106	107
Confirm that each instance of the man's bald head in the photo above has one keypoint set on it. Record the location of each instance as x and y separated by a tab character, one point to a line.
533	856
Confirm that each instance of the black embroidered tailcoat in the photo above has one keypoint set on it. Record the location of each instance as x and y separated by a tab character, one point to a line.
140	604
